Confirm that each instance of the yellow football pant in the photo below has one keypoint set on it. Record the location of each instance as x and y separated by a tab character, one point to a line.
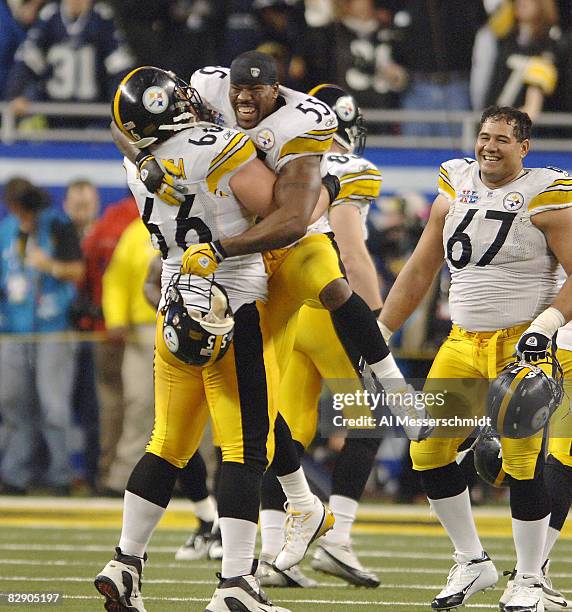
297	276
318	355
473	357
239	391
560	443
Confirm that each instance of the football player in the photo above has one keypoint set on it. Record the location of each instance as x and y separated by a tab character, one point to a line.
318	355
197	369
502	229
291	131
557	476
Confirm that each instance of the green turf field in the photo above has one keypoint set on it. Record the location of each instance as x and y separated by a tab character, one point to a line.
50	546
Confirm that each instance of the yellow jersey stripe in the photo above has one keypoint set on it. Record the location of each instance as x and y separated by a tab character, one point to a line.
368	188
326	132
446	187
443	171
235	140
555	197
301	145
361	174
237	153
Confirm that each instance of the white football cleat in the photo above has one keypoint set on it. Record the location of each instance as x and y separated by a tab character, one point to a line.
341	561
526	595
241	594
203	543
300	531
553	600
120	583
464	580
269	576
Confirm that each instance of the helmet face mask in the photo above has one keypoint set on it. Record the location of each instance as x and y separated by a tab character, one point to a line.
351	133
523	397
150	105
198	324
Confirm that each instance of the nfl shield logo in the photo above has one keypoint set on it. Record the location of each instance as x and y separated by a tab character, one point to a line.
255	72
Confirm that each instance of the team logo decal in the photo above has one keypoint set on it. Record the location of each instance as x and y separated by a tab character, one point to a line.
155	99
170	338
513	200
346	108
468	196
255	72
265	139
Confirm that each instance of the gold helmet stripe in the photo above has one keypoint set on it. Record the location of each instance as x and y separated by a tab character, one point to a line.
116	115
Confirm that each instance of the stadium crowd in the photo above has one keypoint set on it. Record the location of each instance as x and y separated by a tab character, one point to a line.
415	55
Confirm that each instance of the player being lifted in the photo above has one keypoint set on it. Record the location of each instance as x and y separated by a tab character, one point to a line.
292	131
196	365
502	229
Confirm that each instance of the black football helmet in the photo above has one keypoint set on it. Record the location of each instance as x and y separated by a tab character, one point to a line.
198	327
351	133
151	104
487	457
523	397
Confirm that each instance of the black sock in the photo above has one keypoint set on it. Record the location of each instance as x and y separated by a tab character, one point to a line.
558	480
239	491
153	479
193	478
286	456
357	329
529	499
353	466
446	481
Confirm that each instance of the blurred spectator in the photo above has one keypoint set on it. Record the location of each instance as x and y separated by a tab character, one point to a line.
281	29
359	48
40	264
98	246
525	72
236	29
130	321
81	204
72	53
12	35
175	35
434	46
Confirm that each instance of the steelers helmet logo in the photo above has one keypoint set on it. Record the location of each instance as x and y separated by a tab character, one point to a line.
539	418
170	338
155	100
346	108
513	201
265	139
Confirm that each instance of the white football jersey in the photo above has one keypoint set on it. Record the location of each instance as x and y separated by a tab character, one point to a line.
208	156
360	184
502	272
302	125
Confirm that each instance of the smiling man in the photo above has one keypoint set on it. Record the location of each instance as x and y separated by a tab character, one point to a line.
502	228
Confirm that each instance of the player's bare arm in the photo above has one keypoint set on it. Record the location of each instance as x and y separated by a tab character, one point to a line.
296	192
557	227
418	273
345	221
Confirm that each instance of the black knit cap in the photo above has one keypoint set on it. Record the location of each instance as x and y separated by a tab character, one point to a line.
253	68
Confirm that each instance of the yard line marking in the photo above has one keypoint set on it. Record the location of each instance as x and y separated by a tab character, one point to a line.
334	602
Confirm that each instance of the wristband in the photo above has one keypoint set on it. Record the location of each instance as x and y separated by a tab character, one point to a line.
547	322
